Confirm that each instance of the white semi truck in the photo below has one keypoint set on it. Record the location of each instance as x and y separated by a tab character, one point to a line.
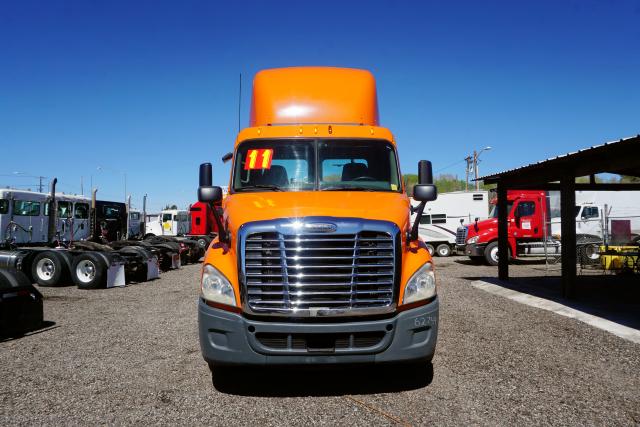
169	222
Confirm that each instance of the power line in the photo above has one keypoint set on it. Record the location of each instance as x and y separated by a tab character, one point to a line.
451	165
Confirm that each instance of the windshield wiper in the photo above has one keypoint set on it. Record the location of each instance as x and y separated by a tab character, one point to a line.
260	187
348	188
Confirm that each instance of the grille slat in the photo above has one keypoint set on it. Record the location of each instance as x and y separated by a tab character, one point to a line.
287	272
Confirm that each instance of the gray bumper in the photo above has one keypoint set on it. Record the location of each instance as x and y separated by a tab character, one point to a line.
229	338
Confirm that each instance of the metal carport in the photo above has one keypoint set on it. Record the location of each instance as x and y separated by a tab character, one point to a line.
560	173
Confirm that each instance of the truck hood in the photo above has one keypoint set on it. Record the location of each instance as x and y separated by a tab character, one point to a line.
241	208
482	227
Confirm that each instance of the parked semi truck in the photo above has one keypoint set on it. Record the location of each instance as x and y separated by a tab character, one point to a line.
55	238
440	220
316	260
534	224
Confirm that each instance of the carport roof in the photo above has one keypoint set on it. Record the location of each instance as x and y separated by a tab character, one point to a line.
619	157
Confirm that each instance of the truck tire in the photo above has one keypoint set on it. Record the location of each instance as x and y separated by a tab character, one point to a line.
203	243
430	248
48	268
491	253
89	271
443	250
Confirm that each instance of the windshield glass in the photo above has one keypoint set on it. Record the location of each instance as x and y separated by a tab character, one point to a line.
307	165
494	210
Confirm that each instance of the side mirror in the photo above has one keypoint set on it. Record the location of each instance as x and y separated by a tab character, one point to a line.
209	194
425	192
206	192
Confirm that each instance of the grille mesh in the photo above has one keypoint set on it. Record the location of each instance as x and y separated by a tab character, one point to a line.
461	235
295	272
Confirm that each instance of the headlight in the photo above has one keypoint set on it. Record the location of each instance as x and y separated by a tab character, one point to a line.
216	288
421	286
472	240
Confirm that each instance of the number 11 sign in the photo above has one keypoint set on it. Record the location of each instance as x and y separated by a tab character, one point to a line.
259	159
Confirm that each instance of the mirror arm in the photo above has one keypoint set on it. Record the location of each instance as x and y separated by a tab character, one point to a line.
413	234
223	234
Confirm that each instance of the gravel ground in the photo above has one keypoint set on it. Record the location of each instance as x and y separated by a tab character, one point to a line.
131	355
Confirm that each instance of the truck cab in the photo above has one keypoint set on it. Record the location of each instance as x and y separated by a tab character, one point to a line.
169	222
316	260
527	219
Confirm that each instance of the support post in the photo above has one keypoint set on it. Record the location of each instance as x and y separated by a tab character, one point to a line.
503	236
568	230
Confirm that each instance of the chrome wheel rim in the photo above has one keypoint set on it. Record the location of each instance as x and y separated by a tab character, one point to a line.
45	269
86	271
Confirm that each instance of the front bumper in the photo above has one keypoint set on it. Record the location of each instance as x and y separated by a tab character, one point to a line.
475	249
229	338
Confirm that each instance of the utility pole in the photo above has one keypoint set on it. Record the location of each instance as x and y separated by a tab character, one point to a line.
40	185
468	160
475	168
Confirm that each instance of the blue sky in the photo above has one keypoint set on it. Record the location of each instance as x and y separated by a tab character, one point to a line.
150	88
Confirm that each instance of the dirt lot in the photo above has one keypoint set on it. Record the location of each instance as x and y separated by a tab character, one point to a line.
131	355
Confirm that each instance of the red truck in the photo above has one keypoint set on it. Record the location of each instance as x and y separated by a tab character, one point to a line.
528	225
203	224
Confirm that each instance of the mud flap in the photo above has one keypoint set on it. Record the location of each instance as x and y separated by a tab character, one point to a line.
115	275
153	268
175	261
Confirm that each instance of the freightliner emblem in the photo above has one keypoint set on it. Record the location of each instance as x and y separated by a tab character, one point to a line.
320	227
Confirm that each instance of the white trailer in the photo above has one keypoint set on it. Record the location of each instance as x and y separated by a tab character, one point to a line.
442	217
169	222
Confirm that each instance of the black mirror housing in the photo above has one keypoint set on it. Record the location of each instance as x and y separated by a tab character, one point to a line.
425	192
209	194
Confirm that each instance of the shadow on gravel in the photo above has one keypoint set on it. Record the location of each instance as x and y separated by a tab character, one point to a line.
270	381
46	326
615	298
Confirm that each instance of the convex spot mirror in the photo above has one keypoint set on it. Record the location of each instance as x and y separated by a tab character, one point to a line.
425	192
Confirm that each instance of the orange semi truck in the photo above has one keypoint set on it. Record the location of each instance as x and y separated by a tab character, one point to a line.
316	261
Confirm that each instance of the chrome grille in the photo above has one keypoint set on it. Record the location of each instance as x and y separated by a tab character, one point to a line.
461	235
306	273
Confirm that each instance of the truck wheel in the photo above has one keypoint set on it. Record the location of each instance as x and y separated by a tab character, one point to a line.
89	271
491	253
203	243
430	248
47	268
443	250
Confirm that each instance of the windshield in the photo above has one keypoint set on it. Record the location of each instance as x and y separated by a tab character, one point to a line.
494	210
307	165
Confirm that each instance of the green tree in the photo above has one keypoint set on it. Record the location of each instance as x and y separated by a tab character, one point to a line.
445	183
167	207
